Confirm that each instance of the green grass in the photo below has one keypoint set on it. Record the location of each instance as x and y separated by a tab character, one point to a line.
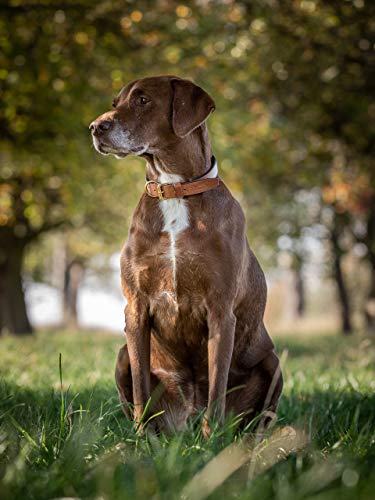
73	441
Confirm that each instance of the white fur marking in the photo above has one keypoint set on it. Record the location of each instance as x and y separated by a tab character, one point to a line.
175	215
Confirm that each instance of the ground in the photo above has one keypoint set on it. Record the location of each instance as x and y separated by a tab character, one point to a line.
71	439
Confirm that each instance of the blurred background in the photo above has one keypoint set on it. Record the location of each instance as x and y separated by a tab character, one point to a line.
293	133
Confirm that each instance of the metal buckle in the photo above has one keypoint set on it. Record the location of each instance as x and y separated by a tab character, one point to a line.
159	189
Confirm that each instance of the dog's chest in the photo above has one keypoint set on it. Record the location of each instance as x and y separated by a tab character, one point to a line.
175	216
175	221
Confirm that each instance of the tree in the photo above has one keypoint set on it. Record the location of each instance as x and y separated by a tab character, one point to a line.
49	175
318	72
293	83
61	66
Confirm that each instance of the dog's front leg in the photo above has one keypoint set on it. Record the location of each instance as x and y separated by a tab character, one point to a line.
221	328
138	342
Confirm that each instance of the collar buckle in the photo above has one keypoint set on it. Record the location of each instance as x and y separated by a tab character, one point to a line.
159	190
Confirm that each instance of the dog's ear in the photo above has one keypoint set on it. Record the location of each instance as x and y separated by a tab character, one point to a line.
191	106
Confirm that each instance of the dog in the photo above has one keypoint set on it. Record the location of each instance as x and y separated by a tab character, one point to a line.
195	338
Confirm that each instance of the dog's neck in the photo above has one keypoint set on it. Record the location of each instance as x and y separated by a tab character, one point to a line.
183	160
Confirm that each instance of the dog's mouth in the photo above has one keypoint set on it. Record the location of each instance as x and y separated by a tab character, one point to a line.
106	149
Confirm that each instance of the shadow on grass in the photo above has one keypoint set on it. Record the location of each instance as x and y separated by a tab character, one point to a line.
336	421
328	411
321	412
25	402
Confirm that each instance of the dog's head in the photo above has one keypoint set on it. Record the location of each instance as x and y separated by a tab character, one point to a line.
150	114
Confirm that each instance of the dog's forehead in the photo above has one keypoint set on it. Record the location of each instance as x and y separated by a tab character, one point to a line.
155	85
124	92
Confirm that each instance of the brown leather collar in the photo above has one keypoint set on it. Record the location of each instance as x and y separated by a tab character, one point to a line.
180	189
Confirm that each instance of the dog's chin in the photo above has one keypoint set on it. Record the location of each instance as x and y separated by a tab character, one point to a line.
140	150
104	149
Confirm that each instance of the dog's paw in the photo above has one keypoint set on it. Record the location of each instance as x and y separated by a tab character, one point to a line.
206	429
139	428
146	428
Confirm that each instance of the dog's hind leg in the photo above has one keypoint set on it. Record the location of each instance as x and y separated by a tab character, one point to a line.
258	393
124	380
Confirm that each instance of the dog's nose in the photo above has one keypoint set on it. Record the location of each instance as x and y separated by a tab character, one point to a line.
99	127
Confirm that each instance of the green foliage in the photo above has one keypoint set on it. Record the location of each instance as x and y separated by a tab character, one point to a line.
293	131
330	90
71	438
287	78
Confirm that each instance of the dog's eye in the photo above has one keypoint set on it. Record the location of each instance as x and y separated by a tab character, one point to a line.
113	104
143	100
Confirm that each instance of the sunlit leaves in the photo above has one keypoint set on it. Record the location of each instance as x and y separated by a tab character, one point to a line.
288	77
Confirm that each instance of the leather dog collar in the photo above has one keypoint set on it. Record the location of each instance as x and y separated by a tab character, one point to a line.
181	189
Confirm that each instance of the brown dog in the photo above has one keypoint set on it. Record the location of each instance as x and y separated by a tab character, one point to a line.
195	291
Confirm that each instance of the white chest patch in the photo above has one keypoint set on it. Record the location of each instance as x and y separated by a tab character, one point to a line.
176	219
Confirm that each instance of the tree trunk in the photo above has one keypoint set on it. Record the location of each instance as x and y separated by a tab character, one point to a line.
370	303
13	313
74	272
342	293
299	285
370	243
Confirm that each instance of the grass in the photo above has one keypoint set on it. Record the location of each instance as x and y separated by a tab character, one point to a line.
68	438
